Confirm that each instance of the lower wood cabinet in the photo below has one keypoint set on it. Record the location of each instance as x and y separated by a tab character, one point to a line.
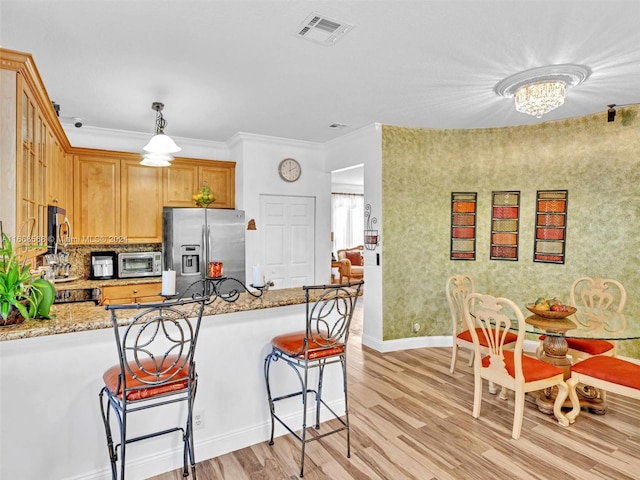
126	294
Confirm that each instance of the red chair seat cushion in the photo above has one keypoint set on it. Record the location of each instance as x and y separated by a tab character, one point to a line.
610	369
293	343
586	345
532	368
466	336
143	390
592	347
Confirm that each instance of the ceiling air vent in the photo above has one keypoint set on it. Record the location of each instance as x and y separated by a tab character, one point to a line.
321	29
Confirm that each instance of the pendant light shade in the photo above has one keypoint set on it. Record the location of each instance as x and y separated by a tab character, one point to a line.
156	159
160	149
161	143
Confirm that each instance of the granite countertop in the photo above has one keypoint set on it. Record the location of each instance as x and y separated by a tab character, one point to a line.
84	316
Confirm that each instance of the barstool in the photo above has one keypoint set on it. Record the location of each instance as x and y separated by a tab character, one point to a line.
329	309
156	367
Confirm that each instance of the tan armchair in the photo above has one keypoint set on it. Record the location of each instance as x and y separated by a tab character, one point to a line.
351	263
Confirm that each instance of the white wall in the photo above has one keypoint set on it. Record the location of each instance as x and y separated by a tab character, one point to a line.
258	171
365	146
51	425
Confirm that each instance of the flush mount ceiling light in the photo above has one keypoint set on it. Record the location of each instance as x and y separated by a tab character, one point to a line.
540	90
160	149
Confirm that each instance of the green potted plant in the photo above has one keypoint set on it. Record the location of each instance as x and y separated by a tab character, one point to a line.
23	294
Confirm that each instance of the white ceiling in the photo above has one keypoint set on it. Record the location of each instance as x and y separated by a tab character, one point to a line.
223	67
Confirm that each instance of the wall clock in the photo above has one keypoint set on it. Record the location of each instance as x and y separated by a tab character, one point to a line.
289	170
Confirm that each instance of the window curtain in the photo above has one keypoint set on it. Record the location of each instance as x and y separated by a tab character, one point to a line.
347	220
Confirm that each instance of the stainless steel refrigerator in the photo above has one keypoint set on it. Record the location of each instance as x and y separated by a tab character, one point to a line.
190	241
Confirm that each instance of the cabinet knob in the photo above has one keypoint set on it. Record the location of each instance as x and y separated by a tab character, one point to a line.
135	291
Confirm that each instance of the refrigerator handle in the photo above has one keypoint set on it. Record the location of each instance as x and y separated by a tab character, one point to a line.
205	247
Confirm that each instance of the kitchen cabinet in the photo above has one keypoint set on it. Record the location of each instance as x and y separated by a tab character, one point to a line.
140	202
220	177
186	176
180	182
31	171
58	174
31	142
117	200
125	294
96	199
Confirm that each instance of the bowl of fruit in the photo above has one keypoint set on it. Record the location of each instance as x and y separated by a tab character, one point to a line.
550	308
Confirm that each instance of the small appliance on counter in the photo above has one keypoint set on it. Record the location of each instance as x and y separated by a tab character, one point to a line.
103	265
139	264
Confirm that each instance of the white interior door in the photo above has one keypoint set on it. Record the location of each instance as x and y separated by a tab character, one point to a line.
288	235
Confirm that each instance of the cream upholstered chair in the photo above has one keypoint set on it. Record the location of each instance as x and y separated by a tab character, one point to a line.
598	301
351	263
458	288
509	368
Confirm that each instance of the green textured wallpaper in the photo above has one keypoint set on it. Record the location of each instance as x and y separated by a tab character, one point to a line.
596	161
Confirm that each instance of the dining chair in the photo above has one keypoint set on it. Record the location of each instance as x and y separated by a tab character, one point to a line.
156	344
509	368
603	372
324	341
597	300
458	288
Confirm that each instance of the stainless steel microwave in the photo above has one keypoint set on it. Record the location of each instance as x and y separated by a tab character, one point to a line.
139	264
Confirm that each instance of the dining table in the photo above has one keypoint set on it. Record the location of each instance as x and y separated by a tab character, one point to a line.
583	324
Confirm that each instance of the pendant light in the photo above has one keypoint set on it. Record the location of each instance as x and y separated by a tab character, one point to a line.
160	149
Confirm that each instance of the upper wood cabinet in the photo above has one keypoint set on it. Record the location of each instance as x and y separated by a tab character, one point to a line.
31	142
59	174
31	218
96	199
185	177
221	178
180	182
117	200
141	202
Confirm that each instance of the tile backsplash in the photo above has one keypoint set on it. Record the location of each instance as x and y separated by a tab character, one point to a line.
80	255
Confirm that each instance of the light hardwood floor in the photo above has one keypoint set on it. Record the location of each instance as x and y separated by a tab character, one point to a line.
410	419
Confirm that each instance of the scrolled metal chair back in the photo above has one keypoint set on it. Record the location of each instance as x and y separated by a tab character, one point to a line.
329	316
157	344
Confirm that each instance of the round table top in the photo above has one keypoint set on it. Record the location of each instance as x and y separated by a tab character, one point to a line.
614	326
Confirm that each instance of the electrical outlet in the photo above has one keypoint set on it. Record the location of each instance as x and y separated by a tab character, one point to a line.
198	420
416	327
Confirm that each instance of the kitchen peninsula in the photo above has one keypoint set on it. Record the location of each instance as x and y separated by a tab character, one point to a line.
54	369
84	316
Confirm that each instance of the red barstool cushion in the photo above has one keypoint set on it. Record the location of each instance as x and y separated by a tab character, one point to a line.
610	369
466	336
179	382
532	368
293	343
